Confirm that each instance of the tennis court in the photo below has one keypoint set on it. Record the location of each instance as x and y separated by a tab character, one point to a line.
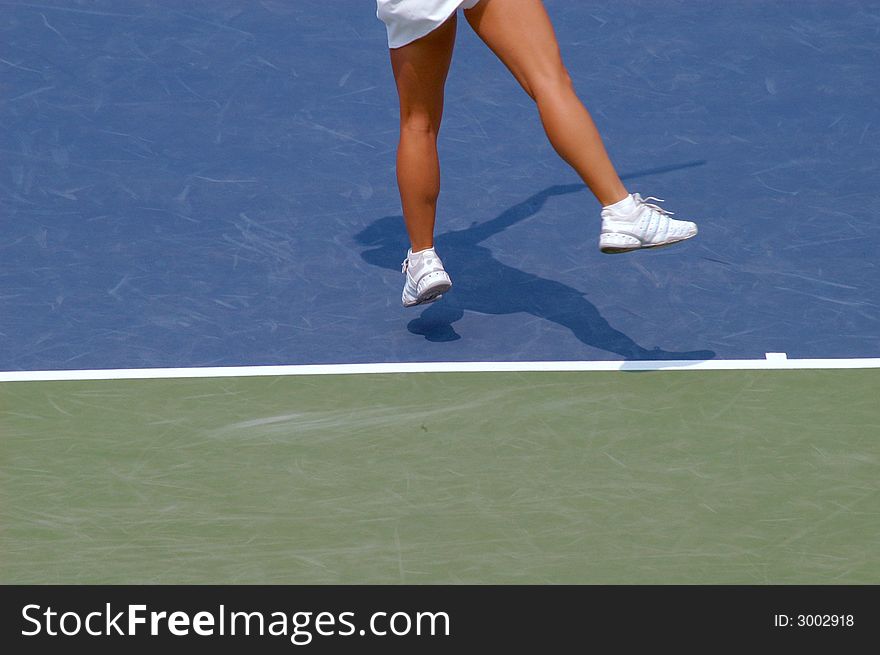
207	376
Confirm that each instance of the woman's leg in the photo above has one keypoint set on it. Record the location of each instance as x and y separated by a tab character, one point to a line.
420	70
519	32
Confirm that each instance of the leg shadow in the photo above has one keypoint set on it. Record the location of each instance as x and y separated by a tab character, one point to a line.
484	284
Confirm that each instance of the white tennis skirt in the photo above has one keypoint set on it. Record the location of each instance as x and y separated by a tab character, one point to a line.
408	20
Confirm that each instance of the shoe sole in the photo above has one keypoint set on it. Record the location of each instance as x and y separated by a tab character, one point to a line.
615	250
430	295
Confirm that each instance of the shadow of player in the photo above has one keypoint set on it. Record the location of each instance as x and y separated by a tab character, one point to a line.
485	285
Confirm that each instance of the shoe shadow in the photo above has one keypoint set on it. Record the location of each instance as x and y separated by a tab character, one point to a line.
485	285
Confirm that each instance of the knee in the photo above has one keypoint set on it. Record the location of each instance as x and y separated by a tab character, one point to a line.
550	84
419	123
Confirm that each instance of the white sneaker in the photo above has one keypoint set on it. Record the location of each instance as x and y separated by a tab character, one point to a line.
426	279
649	226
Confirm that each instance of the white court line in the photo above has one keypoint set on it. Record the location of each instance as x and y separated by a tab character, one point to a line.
772	361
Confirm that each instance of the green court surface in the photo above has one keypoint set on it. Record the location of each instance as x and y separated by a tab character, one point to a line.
650	478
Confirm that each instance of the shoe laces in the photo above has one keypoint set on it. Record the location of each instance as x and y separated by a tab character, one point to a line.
650	205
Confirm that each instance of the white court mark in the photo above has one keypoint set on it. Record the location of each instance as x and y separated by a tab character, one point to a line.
772	361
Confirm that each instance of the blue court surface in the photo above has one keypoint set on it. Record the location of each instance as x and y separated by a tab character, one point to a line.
205	183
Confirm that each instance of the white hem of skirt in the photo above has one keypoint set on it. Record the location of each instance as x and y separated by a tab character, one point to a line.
409	20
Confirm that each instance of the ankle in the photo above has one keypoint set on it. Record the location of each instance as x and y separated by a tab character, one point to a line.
623	207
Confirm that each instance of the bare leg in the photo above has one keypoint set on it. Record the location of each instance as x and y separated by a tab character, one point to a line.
519	32
420	70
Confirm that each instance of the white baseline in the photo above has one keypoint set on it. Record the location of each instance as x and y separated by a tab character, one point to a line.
771	361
